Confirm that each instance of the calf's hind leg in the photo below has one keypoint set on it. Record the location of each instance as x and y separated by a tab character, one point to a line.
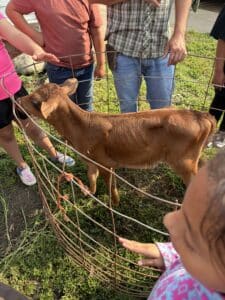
187	168
110	181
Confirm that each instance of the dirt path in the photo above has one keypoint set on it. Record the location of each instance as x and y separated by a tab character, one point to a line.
20	201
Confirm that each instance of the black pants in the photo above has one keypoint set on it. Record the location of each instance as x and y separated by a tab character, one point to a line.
217	107
6	109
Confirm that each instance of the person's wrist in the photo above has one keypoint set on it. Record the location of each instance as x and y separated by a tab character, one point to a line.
179	33
38	53
100	64
100	67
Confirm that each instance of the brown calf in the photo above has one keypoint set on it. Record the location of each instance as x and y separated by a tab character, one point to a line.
132	140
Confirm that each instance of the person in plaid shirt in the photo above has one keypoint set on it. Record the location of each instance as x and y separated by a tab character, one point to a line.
138	30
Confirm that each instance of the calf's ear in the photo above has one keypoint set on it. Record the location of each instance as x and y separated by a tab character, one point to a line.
69	86
47	108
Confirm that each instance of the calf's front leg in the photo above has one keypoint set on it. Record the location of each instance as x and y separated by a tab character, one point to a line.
93	173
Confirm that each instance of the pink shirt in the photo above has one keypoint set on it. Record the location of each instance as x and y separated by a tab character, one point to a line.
9	80
176	283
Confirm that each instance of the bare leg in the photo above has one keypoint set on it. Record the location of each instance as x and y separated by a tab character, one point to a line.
39	137
42	140
9	144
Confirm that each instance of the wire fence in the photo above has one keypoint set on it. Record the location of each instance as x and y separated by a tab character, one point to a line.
87	225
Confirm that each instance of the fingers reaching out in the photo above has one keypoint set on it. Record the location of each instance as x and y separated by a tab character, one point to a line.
150	251
44	56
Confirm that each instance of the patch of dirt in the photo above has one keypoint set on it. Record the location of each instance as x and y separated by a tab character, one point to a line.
19	201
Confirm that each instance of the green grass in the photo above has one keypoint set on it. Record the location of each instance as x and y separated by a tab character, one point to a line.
194	75
35	263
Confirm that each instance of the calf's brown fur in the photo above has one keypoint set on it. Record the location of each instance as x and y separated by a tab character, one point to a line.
132	140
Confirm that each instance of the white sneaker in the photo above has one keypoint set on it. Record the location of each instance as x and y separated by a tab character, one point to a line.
220	144
210	143
219	140
26	176
64	159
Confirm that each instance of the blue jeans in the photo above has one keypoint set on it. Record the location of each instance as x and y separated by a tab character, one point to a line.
84	94
158	77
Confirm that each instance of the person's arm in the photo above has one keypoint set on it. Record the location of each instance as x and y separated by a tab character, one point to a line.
159	255
219	76
97	35
107	2
155	3
151	253
25	44
20	22
176	45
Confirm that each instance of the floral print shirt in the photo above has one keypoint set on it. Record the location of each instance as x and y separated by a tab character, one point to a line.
176	283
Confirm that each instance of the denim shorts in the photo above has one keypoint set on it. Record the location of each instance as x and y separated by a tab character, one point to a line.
6	109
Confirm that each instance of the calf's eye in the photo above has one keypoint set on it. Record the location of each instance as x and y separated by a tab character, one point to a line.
36	104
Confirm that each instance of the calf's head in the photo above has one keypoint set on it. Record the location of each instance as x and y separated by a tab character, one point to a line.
47	98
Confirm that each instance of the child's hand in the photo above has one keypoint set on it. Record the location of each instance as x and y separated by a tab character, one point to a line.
44	56
153	257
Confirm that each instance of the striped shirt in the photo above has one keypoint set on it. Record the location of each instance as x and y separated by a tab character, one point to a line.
136	28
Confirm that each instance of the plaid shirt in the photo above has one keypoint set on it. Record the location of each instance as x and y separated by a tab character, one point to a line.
136	28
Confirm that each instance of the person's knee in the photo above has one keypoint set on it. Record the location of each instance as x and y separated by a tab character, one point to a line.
7	134
32	130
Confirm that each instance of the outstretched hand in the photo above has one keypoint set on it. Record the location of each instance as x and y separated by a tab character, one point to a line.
44	56
151	253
